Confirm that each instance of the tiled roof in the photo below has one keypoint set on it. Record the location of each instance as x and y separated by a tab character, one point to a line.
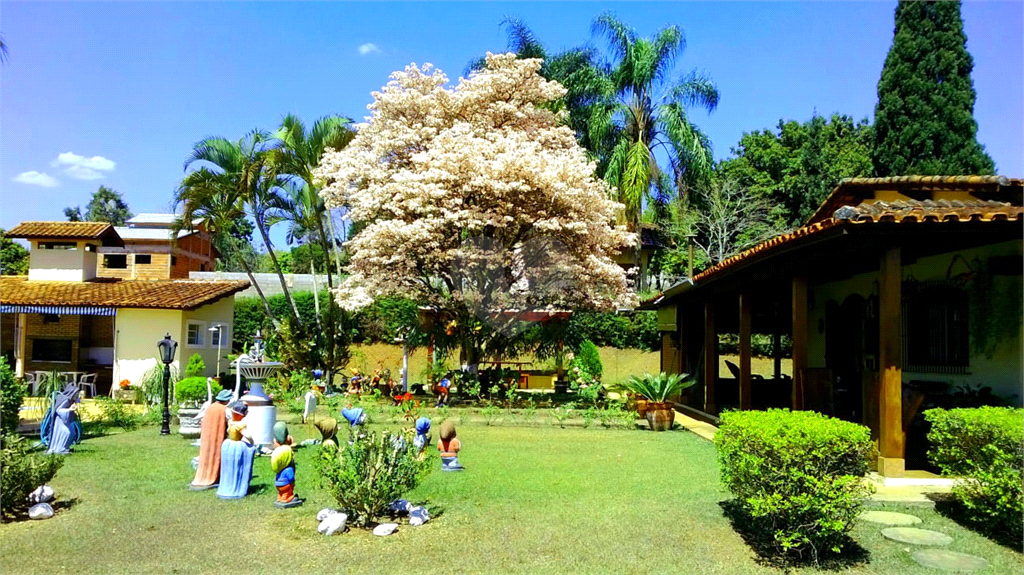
66	231
929	210
859	212
152	294
852	191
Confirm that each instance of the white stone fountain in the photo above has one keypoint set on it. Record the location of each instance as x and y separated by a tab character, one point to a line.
262	414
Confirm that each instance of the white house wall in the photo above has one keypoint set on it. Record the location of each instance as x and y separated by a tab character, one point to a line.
137	333
219	312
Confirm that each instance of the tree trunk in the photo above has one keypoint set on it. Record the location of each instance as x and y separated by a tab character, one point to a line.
263	298
337	251
277	267
316	295
327	254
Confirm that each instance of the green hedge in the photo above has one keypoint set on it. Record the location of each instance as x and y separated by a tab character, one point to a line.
193	389
984	446
12	394
797	476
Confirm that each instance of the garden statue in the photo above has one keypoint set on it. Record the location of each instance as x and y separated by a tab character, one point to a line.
449	446
328	429
282	462
442	390
422	438
354	415
236	457
258	349
355	385
236	413
210	439
61	429
309	410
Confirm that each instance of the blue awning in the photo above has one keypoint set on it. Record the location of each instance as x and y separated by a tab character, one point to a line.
58	309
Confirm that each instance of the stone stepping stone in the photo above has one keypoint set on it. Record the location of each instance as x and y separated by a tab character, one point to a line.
947	560
916	536
889	518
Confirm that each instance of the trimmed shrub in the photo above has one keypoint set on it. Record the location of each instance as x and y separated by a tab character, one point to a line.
589	358
796	475
12	394
196	366
193	390
985	447
368	474
21	471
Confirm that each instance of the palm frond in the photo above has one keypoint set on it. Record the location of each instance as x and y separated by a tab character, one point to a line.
619	35
694	89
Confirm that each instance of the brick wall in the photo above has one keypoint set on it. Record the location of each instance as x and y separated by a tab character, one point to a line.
68	327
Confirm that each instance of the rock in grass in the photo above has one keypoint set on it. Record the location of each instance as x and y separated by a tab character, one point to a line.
418	516
42	494
889	518
333	522
385	529
40	511
916	536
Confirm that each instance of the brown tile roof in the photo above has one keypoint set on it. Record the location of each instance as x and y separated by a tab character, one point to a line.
851	191
67	231
152	294
930	210
903	212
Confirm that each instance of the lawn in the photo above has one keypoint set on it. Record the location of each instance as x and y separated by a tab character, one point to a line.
533	500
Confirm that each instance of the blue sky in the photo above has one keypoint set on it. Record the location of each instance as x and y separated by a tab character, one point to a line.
117	93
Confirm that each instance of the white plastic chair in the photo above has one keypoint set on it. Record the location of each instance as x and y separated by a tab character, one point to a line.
32	380
88	380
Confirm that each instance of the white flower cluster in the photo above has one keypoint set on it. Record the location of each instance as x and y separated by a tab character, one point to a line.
433	166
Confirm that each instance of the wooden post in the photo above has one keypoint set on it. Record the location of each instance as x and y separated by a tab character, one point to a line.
890	368
777	343
745	402
799	339
710	357
20	324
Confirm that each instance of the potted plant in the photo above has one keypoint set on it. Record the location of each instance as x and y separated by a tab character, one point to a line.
190	393
655	391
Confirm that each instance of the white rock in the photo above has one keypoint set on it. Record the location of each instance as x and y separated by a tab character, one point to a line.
324	513
418	516
385	529
333	523
40	511
42	494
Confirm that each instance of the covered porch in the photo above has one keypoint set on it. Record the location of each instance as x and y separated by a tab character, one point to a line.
75	341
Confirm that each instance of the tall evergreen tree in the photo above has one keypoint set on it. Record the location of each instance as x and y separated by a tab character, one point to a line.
924	119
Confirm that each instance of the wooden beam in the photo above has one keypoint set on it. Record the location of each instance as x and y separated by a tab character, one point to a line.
890	365
799	339
710	357
744	344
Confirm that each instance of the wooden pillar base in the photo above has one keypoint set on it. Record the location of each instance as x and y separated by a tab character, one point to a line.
891	466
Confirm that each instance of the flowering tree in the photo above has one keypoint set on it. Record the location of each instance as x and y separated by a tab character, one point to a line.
477	201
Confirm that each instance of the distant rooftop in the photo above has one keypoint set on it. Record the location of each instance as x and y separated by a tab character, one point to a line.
153	233
162	219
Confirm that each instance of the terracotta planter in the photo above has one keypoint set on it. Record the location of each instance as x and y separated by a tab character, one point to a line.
660	416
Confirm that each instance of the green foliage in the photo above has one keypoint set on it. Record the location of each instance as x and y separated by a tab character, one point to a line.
192	390
386	318
152	382
366	475
12	394
796	165
13	257
985	447
798	475
196	367
588	357
658	388
117	413
106	205
563	412
760	344
924	119
21	471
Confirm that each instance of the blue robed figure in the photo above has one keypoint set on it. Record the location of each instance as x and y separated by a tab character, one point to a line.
60	428
236	455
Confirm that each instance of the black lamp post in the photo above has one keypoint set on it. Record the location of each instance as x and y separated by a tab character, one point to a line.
167	347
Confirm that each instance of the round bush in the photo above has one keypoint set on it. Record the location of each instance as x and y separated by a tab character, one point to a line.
193	390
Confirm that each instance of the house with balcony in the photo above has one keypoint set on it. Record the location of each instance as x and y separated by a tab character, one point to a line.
898	294
151	248
66	316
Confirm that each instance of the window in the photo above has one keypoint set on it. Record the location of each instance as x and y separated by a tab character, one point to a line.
115	261
58	246
51	318
143	259
194	335
174	260
936	330
219	337
51	350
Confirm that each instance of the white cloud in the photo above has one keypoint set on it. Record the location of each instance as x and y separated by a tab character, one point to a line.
83	168
34	178
368	48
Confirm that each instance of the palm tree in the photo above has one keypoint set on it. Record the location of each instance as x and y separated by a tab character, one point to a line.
298	154
650	112
240	178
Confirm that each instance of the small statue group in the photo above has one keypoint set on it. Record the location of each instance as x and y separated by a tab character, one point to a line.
237	453
211	436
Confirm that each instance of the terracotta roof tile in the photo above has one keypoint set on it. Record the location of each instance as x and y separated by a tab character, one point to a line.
66	231
929	210
152	294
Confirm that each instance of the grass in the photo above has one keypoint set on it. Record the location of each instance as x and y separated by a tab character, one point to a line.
533	500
